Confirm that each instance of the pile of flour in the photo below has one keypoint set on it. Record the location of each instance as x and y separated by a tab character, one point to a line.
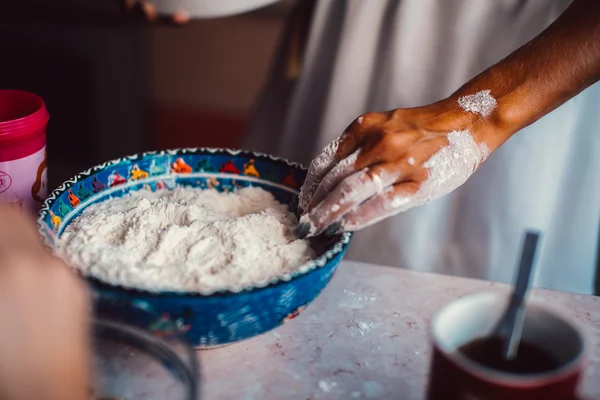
186	239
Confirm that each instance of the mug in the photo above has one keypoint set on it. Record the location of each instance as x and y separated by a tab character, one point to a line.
453	375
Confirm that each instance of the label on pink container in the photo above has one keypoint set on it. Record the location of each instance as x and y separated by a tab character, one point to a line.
23	182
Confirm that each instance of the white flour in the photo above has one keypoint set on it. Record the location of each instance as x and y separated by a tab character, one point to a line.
363	327
481	103
327	385
186	239
340	171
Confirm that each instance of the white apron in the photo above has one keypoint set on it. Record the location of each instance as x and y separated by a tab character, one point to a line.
378	55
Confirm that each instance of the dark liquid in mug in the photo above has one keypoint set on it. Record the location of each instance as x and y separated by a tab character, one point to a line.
530	358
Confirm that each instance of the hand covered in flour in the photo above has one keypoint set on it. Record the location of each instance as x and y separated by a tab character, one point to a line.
43	318
385	163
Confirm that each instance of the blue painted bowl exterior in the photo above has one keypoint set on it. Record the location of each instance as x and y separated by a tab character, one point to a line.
206	319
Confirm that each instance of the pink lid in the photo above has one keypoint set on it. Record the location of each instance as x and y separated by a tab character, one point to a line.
23	119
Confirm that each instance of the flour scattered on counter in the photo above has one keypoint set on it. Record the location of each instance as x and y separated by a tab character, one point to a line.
326	386
363	328
186	239
359	298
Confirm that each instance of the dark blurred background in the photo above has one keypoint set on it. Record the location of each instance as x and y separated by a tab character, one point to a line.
115	84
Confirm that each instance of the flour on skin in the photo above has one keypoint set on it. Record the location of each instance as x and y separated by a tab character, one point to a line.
319	167
340	171
187	240
447	169
348	195
481	103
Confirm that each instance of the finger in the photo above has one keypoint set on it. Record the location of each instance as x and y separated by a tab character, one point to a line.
444	168
68	282
364	124
334	152
181	17
150	13
393	200
386	146
320	166
422	186
17	230
149	10
176	19
339	172
351	192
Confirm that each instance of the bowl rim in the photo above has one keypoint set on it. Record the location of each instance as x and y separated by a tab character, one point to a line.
337	247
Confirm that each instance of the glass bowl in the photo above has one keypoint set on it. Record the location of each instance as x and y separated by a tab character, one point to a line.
130	363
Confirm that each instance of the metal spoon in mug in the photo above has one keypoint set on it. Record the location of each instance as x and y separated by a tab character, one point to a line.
510	326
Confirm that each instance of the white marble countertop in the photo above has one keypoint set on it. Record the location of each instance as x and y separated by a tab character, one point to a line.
364	337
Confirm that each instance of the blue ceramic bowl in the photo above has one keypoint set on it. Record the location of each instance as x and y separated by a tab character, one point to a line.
207	319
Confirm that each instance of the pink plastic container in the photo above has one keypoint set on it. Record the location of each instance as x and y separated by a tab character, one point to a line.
23	173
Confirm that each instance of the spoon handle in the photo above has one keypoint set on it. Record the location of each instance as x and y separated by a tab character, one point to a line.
517	318
527	258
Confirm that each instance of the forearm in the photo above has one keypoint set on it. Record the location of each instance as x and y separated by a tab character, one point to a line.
543	74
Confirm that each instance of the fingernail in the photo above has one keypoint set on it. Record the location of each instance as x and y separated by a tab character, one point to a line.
302	230
333	229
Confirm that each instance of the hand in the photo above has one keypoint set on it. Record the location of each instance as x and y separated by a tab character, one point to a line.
44	342
388	162
148	11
